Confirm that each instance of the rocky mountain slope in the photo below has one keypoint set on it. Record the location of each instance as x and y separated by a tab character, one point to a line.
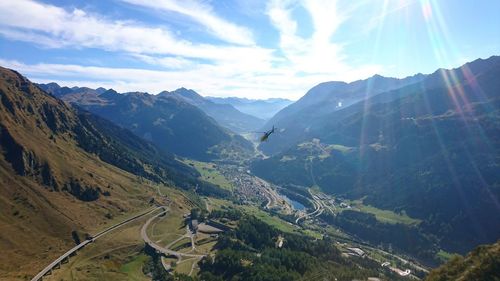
63	170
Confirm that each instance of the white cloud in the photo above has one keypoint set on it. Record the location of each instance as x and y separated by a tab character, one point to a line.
204	15
219	80
316	54
52	26
325	17
218	70
28	36
167	62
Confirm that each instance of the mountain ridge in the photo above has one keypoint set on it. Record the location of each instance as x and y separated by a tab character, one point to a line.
170	122
324	98
65	171
429	149
225	114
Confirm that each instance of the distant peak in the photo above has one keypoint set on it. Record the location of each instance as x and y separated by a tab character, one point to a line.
187	93
100	90
109	94
53	84
185	90
111	91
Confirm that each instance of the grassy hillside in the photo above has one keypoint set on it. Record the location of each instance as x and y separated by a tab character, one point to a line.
62	171
482	264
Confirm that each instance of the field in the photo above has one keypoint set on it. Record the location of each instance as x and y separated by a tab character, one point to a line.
119	255
133	268
266	217
116	256
210	174
269	219
385	215
186	265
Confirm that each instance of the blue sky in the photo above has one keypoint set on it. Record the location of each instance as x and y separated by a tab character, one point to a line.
245	48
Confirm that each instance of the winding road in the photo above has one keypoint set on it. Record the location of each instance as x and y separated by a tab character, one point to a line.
73	250
163	250
318	209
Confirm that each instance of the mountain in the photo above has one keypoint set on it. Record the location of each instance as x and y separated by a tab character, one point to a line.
296	119
64	170
225	114
82	94
483	263
166	120
263	109
430	149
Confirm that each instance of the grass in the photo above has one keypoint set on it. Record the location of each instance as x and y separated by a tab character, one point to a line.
172	223
119	255
264	216
206	247
312	233
116	256
169	260
181	244
166	238
254	210
133	268
169	228
444	256
269	219
385	215
185	266
210	174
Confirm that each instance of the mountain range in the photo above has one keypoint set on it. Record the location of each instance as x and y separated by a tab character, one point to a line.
295	120
169	120
427	146
224	113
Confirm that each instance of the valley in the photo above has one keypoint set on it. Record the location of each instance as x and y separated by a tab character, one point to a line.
168	232
254	195
278	140
121	188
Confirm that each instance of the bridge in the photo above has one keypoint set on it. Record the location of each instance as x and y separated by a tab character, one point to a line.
65	257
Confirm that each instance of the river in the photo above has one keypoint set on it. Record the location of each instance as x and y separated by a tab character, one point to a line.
295	204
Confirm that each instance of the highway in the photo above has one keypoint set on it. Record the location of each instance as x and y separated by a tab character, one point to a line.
273	198
318	209
163	250
73	250
58	261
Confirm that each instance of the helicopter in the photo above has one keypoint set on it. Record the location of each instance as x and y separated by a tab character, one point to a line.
266	135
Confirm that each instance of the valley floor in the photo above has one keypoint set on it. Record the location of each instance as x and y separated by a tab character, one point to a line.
120	255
